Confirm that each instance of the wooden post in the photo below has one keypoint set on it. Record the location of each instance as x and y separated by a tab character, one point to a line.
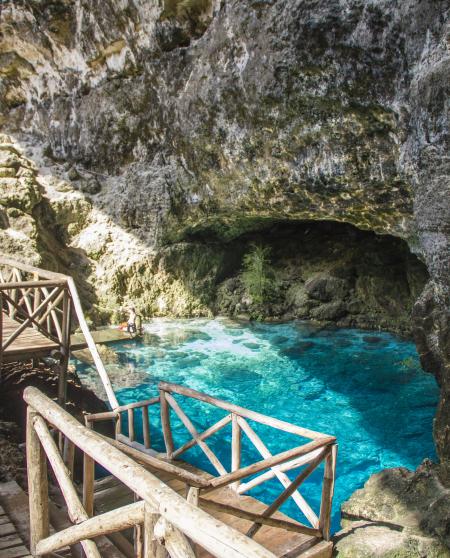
65	349
69	455
118	425
146	427
88	480
138	536
236	442
165	423
175	541
37	484
192	495
131	425
327	492
152	548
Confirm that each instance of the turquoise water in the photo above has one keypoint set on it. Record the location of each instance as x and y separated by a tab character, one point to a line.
365	388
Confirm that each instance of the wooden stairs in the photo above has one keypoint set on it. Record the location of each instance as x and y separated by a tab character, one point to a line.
15	527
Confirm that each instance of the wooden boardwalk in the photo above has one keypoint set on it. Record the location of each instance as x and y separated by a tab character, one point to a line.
110	494
29	344
33	344
13	522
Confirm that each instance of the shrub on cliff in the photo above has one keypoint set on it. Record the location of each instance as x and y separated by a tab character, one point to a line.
258	276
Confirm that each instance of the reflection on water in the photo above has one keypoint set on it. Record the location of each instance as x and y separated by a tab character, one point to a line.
366	389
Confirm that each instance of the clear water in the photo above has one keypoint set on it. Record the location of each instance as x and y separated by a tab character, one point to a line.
365	388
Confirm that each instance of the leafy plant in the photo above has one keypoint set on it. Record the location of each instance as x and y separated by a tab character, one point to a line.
257	276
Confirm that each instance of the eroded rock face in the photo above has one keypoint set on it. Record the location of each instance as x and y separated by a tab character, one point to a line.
397	514
163	127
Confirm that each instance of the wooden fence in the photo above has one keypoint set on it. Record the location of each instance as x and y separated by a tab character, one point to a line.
36	300
162	518
320	448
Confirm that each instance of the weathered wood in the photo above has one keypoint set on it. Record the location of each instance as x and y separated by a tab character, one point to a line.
88	480
175	542
152	548
97	417
211	534
236	443
288	466
109	522
186	476
52	275
192	495
7	541
327	492
282	477
146	427
138	404
65	348
91	344
31	284
69	455
138	537
75	509
131	424
270	462
241	411
53	315
37	484
165	424
30	318
287	493
203	435
194	433
251	516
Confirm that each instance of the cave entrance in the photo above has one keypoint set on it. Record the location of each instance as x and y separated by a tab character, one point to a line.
328	272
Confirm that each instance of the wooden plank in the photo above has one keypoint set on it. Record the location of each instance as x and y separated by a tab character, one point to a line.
10	540
7	529
16	552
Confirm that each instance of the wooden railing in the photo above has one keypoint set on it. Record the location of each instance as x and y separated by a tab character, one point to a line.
162	519
49	303
320	448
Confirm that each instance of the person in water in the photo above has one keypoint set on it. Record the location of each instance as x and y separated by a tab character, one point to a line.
134	323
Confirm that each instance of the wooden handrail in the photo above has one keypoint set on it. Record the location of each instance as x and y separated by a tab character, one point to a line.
9	262
43	314
91	344
241	411
31	284
217	538
320	447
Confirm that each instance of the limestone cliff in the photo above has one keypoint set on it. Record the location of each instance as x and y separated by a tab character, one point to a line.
161	135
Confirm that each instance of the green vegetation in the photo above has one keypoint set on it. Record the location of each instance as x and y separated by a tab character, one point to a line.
258	276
